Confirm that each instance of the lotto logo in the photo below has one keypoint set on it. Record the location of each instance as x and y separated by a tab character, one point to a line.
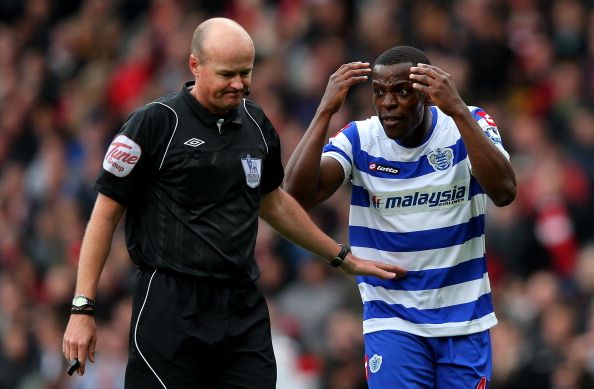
380	168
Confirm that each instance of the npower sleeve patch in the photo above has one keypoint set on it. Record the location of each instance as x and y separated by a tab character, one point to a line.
122	155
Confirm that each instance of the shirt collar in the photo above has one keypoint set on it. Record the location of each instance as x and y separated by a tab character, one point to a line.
204	114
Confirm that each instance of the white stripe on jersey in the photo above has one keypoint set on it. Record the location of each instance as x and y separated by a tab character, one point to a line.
464	292
425	259
430	330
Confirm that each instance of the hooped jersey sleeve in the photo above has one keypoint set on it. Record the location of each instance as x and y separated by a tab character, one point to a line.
489	127
340	148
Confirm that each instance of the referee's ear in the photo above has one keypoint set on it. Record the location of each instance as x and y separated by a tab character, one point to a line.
193	64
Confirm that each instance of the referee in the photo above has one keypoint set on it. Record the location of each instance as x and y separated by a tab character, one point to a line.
194	171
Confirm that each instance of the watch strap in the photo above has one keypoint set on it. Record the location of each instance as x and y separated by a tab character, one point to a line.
89	312
341	256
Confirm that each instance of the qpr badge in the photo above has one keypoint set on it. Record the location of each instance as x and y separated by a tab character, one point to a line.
441	158
375	363
253	170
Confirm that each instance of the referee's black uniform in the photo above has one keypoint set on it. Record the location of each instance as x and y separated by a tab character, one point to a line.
191	182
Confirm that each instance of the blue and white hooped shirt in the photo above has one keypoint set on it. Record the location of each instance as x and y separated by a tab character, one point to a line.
419	208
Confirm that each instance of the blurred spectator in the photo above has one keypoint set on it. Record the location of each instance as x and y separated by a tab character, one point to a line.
344	351
17	358
294	368
316	292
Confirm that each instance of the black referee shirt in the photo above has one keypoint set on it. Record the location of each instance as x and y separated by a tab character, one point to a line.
191	182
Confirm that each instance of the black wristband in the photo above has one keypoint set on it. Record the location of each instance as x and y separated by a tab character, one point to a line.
339	259
90	312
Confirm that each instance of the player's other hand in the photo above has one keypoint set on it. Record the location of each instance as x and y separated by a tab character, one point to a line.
439	86
340	82
356	266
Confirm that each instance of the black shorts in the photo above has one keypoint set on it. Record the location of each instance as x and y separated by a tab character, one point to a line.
194	333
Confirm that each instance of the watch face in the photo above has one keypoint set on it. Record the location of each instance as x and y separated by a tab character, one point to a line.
81	301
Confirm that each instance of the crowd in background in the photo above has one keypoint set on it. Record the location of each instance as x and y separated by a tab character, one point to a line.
72	70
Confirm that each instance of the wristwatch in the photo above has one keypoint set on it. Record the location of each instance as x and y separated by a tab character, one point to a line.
80	302
339	259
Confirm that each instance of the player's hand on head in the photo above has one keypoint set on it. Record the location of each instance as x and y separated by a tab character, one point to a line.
439	86
360	267
340	83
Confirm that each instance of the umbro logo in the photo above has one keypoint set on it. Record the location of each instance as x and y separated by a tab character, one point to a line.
194	142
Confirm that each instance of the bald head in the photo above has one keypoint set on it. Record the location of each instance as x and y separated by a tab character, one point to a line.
222	61
219	35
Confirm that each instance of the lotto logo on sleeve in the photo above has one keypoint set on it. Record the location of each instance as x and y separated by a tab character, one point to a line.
122	156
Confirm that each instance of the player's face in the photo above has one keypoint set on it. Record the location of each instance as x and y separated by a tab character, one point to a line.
400	108
223	78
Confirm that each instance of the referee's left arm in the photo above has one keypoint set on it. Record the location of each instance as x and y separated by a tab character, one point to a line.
283	213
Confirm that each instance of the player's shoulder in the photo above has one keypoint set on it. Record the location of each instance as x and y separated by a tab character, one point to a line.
368	122
475	111
359	128
482	117
478	113
370	125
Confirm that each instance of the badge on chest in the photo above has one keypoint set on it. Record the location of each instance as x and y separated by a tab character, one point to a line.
252	168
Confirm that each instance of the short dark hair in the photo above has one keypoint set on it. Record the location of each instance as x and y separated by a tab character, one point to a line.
198	41
402	54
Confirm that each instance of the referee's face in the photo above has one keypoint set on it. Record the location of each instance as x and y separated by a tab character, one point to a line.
223	76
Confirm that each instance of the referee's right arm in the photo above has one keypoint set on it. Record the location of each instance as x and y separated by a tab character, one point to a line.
80	336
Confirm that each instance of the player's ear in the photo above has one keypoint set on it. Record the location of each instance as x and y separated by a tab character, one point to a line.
194	64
